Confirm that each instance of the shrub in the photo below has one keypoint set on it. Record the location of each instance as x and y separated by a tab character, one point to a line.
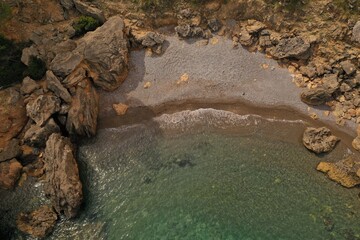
85	24
5	11
36	69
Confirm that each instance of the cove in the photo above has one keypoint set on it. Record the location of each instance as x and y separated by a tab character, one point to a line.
209	174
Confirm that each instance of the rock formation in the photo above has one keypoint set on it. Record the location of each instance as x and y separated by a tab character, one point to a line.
37	136
63	184
319	140
295	47
9	173
41	109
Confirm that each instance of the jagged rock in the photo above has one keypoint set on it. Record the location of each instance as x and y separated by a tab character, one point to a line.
56	87
104	53
295	47
67	4
214	25
346	172
38	223
11	150
254	26
151	39
183	31
89	10
348	67
356	32
28	86
316	96
63	184
9	173
319	140
36	136
42	108
245	38
356	143
82	116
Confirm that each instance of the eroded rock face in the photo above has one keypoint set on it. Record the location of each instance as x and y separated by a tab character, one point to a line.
319	140
63	184
295	47
83	113
36	136
38	223
104	52
346	172
9	173
42	108
56	87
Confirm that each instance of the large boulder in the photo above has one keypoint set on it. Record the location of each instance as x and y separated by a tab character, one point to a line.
42	108
319	140
295	47
83	112
36	136
54	84
10	150
38	223
346	172
63	184
103	52
356	32
9	173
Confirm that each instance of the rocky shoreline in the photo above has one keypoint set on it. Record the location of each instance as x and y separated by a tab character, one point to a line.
42	120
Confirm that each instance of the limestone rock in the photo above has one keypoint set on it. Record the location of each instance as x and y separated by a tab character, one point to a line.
63	184
295	47
356	32
36	136
56	87
9	151
28	86
344	172
104	53
319	140
38	223
9	173
89	10
83	113
42	108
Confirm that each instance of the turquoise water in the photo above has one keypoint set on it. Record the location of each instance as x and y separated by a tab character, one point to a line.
143	183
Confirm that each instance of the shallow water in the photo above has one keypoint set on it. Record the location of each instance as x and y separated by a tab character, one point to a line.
243	178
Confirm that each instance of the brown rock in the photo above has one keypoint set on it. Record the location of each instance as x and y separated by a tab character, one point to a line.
120	108
316	96
56	87
42	108
9	173
28	86
10	151
254	26
348	67
343	172
63	184
295	47
356	143
319	140
36	136
38	223
88	9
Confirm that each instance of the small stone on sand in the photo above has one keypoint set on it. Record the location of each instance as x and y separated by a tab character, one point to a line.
147	85
120	108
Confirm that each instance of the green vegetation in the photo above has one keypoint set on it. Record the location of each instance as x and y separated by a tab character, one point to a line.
36	69
5	11
12	70
348	6
85	24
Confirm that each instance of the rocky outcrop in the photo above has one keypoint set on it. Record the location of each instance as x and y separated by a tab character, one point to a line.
103	52
83	112
42	108
56	87
36	136
38	223
295	47
9	173
10	150
346	172
356	32
319	140
63	184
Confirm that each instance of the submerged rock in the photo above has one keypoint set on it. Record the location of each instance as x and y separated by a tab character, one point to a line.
346	172
9	173
38	223
42	108
295	47
63	184
319	140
